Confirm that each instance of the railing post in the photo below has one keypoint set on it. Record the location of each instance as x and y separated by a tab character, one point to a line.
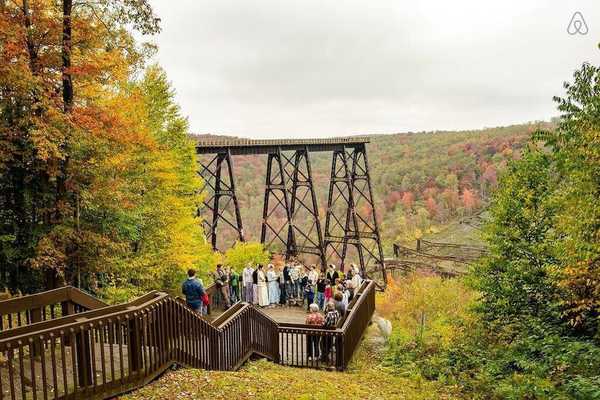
67	308
133	345
418	245
275	344
339	349
36	316
83	351
215	350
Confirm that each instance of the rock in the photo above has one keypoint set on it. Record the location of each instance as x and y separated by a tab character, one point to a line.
384	325
377	336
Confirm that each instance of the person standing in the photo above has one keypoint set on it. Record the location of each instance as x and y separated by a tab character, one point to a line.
332	274
346	295
302	279
331	319
282	291
193	291
309	294
273	285
321	284
255	286
234	285
350	283
340	305
313	276
263	292
294	283
328	291
222	282
247	281
287	279
316	319
356	279
350	274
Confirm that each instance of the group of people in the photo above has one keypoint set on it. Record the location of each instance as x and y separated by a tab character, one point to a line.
326	294
291	285
295	284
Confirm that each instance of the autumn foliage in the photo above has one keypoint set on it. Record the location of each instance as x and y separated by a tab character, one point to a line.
544	230
97	174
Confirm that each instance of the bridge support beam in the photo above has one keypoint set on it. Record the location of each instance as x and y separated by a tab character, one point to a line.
351	219
289	193
220	197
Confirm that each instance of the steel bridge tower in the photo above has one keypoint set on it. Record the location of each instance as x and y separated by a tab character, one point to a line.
290	219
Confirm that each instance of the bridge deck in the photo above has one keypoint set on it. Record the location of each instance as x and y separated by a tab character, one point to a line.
236	146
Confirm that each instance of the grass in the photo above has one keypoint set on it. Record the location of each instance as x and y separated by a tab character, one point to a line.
456	232
365	378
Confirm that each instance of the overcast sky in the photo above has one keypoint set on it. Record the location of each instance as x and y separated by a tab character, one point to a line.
314	68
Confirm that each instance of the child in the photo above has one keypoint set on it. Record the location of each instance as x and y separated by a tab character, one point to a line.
328	291
309	295
303	280
234	285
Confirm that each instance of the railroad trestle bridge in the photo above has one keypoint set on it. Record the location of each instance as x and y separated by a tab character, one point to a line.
350	220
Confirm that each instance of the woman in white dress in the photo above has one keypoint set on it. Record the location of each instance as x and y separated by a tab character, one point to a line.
356	279
273	285
263	293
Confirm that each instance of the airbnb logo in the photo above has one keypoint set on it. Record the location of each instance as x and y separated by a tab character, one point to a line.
577	25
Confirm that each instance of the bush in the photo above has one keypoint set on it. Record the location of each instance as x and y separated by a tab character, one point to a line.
437	337
119	294
424	310
243	253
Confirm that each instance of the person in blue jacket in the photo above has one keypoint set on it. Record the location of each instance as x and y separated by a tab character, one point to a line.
194	291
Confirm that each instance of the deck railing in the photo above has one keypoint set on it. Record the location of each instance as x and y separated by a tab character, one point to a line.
110	350
57	303
309	346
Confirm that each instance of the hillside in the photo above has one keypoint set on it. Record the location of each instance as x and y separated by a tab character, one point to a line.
422	181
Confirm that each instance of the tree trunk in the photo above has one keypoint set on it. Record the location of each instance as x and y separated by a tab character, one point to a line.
67	94
31	49
66	57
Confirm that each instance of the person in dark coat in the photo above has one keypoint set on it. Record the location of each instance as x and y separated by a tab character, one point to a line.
194	291
332	274
255	286
287	279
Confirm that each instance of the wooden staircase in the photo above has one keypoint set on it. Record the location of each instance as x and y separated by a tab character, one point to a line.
67	344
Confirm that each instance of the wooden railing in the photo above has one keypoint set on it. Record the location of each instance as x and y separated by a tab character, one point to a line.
310	346
110	350
57	303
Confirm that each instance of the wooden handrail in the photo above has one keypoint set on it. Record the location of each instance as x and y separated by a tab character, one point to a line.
52	304
103	352
228	314
27	302
42	325
338	344
65	293
84	299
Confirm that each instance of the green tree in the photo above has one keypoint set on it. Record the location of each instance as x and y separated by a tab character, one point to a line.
545	222
243	253
515	280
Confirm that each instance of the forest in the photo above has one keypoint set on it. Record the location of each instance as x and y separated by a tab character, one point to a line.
422	181
99	189
97	170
